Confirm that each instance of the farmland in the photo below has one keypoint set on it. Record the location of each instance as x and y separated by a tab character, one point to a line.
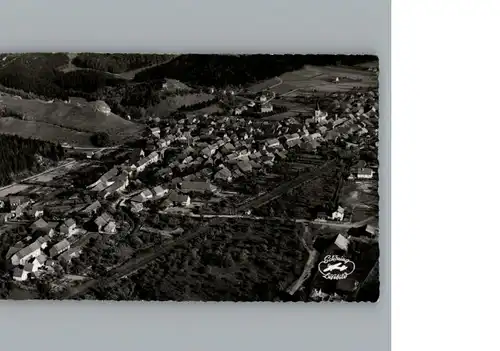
264	85
173	103
43	131
309	78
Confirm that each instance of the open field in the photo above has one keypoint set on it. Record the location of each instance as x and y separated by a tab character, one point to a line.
14	189
173	103
46	176
280	116
76	117
264	85
320	79
361	198
43	131
209	109
49	176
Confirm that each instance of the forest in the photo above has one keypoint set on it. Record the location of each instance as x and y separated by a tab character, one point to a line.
18	155
238	70
232	261
118	63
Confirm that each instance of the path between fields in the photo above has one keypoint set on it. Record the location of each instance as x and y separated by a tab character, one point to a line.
129	75
334	225
311	261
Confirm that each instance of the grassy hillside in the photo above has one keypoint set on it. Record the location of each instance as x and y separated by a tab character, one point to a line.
44	131
73	116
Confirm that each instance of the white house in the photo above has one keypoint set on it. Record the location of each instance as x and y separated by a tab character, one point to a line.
365	173
342	242
339	214
24	255
155	132
20	274
159	191
110	228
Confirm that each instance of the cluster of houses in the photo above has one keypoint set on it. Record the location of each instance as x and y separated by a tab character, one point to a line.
224	148
208	151
50	242
46	244
263	105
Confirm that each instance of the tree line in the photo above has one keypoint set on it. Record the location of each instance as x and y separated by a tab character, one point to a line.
237	70
18	155
118	63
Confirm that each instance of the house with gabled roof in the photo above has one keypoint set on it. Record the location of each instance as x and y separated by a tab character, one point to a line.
92	208
342	242
25	254
59	247
224	174
20	274
68	228
38	224
179	199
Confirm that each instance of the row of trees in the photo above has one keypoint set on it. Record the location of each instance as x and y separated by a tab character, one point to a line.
18	155
198	106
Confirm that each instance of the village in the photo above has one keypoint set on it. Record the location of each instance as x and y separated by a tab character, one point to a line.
195	165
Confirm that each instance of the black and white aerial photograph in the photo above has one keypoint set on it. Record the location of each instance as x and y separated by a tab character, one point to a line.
189	177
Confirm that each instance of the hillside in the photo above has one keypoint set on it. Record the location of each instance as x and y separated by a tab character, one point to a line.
60	121
44	131
223	70
40	74
118	62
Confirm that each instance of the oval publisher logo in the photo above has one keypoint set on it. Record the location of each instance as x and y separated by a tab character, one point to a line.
336	267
